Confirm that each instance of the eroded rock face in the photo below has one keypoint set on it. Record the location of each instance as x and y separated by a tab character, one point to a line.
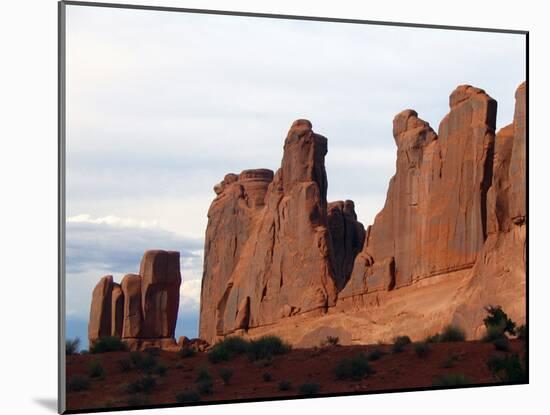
449	240
100	310
347	237
143	309
269	256
498	276
160	283
239	199
434	220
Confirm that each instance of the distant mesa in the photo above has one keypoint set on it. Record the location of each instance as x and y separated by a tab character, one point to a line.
143	308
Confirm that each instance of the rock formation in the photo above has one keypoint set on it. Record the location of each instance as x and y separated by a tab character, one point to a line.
143	309
268	249
450	239
434	219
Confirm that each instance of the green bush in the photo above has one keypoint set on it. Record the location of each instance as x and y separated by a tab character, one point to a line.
153	351
186	397
453	379
227	349
267	346
434	338
309	388
186	352
96	370
375	354
71	346
77	384
203	375
205	387
267	377
497	318
502	344
399	343
355	368
508	368
144	385
285	385
493	333
136	358
421	349
125	365
226	375
332	340
452	333
108	344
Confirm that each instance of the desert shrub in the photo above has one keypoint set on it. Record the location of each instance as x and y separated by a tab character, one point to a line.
507	368
203	375
160	369
332	341
450	361
77	384
267	377
143	385
502	344
285	385
136	358
421	349
452	333
434	338
205	387
71	346
137	400
96	370
399	343
108	344
267	346
227	349
226	375
493	333
153	351
125	365
355	368
186	397
453	379
147	363
499	320
375	354
186	352
309	388
521	332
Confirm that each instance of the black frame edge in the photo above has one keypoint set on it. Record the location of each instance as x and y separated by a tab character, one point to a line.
61	102
290	17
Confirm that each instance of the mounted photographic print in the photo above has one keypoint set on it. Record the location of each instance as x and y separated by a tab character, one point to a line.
258	207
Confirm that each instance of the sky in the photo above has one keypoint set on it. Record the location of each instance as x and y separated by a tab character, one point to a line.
161	105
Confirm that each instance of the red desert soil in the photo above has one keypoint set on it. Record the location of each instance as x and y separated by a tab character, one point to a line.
392	371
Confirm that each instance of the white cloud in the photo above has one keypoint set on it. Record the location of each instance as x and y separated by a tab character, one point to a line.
114	221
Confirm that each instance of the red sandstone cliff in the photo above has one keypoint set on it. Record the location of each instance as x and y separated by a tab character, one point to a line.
449	240
273	258
143	309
